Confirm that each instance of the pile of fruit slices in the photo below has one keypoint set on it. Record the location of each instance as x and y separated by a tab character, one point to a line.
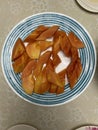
37	64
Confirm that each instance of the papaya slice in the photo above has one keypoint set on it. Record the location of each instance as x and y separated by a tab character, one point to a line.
33	35
20	63
73	72
53	88
45	45
18	49
29	68
75	41
33	50
41	83
66	46
54	78
42	60
28	84
48	33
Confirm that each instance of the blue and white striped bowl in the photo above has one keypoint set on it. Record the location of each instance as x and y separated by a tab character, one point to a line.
87	55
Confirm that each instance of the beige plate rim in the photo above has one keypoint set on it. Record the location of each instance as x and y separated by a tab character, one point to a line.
88	127
88	6
21	127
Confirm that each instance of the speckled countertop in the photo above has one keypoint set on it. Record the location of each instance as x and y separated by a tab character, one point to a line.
13	109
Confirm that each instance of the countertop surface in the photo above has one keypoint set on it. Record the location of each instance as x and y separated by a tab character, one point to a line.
14	110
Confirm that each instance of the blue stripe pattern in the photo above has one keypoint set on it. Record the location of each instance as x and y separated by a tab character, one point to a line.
87	55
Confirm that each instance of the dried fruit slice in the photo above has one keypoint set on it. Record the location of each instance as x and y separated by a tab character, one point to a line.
60	90
74	71
45	87
42	60
33	35
54	78
70	68
74	54
78	67
72	79
66	46
20	63
56	60
33	50
44	45
18	49
41	84
62	74
53	88
75	41
28	84
56	45
59	33
38	82
50	65
45	83
41	29
48	33
28	68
